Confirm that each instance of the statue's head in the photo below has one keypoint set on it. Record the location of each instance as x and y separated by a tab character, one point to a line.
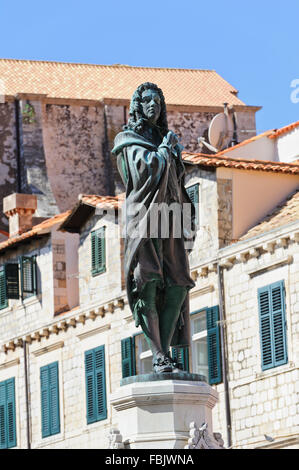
148	106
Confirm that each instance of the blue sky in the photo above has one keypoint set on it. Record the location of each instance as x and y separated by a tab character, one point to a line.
253	45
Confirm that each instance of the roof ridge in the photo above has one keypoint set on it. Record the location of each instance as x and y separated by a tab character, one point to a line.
284	129
53	62
238	159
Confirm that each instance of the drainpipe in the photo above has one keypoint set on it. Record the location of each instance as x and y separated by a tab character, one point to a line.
18	145
224	354
25	349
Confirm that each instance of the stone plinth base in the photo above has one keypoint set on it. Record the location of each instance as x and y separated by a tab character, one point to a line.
157	414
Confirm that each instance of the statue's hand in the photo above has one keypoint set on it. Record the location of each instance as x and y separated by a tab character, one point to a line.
172	139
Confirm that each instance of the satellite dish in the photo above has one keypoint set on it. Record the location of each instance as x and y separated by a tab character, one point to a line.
221	131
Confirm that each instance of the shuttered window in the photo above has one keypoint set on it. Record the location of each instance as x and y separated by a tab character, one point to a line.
7	414
9	283
193	193
271	301
128	357
214	351
28	275
50	399
3	295
96	403
206	350
98	251
181	355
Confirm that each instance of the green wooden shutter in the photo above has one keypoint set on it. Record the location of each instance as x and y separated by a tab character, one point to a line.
271	300
11	413
7	414
90	387
3	296
100	381
128	357
96	402
98	251
181	355
214	351
28	275
50	400
54	398
2	415
193	193
12	280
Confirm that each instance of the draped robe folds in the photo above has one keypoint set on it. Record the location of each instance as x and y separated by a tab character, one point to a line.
153	175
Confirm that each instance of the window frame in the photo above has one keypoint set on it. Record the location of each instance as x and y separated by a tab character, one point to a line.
269	288
10	441
95	416
97	269
51	410
196	204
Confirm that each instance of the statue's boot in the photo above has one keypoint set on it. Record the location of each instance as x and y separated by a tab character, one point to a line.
173	301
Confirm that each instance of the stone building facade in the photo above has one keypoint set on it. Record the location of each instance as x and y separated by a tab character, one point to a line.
58	122
79	309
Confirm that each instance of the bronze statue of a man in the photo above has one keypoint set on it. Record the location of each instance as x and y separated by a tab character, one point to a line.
156	265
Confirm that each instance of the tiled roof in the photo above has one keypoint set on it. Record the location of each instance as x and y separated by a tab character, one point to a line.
40	229
85	207
94	82
102	201
284	130
285	213
240	163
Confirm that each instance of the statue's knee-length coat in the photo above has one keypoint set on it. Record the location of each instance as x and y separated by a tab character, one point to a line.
153	175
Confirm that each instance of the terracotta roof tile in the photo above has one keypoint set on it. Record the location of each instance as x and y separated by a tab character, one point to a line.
284	130
285	213
240	163
102	201
40	229
95	82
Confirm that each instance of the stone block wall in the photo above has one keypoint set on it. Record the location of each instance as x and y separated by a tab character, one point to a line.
8	156
206	243
22	316
107	285
73	143
262	402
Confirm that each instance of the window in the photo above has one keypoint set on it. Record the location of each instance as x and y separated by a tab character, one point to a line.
50	399
271	300
206	353
193	193
28	276
98	251
7	414
3	294
128	357
144	355
96	404
181	355
11	280
136	356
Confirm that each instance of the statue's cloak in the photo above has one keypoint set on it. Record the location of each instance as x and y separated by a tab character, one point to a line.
153	175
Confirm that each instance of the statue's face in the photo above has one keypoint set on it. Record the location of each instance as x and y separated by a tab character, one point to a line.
151	105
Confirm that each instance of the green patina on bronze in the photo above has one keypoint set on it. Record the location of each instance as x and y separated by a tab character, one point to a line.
156	269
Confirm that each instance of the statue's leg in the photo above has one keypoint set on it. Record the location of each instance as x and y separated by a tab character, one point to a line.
173	301
149	319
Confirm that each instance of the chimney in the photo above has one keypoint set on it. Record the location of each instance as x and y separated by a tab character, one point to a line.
19	208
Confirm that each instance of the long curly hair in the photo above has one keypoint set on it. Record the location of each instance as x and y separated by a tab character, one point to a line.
137	120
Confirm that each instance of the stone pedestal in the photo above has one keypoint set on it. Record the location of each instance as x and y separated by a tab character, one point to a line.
157	414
